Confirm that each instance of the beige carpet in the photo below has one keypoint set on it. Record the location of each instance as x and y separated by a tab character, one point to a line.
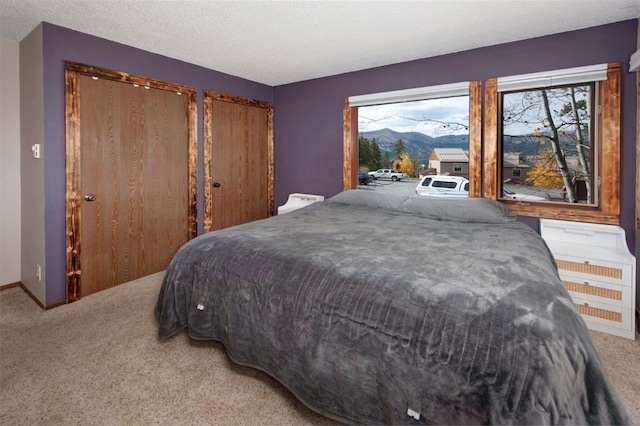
98	362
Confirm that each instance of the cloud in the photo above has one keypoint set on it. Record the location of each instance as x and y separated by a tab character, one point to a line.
427	117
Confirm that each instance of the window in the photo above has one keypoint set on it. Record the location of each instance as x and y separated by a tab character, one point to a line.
457	167
550	132
444	184
562	131
350	117
408	136
426	182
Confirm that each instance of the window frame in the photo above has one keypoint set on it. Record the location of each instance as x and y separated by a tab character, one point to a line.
607	208
350	130
507	171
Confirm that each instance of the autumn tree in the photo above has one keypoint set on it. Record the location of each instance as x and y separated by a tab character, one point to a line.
403	164
545	171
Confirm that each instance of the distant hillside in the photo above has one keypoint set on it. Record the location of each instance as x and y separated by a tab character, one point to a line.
418	145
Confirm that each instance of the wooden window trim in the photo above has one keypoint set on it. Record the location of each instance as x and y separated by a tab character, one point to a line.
350	142
350	146
608	131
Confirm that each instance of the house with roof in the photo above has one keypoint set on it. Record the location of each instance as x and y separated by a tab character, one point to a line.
449	161
515	167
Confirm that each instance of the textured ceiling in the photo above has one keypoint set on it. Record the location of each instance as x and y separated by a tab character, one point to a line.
279	42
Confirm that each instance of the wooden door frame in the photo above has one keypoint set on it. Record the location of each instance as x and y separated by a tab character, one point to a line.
72	74
210	95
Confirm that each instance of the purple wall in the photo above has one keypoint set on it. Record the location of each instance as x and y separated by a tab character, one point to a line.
308	119
60	45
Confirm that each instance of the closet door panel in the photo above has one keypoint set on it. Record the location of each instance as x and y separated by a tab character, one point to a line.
238	161
131	185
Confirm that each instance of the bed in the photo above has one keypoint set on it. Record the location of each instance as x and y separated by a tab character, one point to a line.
387	309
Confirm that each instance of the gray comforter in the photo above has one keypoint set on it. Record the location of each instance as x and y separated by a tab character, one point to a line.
395	310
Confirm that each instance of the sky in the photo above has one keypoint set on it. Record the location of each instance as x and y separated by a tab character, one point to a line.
410	116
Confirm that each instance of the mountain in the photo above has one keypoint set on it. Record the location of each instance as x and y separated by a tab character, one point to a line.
418	145
531	145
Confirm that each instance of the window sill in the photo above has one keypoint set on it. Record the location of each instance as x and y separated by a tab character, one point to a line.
575	213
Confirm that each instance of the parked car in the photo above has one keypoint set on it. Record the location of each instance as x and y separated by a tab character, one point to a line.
388	174
443	186
517	196
364	178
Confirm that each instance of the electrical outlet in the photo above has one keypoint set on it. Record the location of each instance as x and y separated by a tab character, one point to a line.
39	272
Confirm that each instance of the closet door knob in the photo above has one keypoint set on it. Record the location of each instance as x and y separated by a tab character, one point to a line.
89	197
216	184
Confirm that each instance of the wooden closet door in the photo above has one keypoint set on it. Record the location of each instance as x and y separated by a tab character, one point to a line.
134	181
238	153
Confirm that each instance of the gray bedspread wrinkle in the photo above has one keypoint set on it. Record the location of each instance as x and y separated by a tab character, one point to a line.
365	313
